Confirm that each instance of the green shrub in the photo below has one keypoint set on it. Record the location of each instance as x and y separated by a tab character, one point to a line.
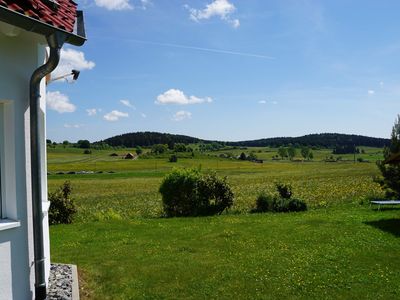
187	192
87	151
279	203
265	202
173	158
284	190
288	205
62	207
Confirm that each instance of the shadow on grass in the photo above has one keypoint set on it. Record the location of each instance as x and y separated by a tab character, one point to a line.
389	225
386	208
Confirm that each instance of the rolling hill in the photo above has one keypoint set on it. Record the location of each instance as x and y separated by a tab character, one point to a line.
325	140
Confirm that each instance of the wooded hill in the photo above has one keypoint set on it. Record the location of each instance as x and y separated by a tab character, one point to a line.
324	140
145	139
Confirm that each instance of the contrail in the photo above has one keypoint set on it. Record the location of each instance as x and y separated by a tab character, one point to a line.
202	49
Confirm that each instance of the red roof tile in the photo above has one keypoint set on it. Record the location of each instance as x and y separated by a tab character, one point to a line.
63	17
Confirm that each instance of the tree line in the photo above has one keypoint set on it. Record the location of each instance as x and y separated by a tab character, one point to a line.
323	140
343	143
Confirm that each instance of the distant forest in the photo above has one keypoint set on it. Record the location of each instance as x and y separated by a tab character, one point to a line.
323	140
148	139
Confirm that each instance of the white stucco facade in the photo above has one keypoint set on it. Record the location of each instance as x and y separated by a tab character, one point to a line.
21	53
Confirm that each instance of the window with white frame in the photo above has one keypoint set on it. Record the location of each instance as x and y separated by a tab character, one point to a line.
8	203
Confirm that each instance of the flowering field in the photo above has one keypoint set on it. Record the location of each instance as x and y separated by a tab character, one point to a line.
131	189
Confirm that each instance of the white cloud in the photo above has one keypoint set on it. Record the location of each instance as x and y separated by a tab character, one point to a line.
371	92
145	4
72	60
127	103
91	111
59	102
381	84
114	4
235	23
115	115
181	115
143	115
265	102
73	125
175	96
218	8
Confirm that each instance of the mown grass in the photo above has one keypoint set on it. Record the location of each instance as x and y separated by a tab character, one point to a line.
124	249
335	254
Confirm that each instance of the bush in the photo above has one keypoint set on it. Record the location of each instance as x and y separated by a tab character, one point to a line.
62	207
265	202
85	144
284	190
187	192
288	205
173	158
87	151
279	203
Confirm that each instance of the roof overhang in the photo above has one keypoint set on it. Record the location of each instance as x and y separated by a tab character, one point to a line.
77	38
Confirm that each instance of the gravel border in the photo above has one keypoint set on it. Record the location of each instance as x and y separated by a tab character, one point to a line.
63	283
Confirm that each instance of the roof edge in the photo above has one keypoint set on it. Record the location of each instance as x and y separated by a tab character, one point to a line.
33	25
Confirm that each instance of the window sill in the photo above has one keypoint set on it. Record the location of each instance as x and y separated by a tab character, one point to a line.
45	206
8	224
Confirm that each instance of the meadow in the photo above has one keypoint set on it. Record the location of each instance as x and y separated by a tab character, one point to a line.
125	249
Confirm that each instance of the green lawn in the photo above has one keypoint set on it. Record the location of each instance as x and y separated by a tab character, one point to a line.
324	254
124	249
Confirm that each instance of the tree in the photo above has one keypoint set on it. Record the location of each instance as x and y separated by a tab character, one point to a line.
252	157
48	142
159	148
139	150
242	156
291	152
282	152
394	147
179	147
310	156
305	152
345	149
390	180
84	144
170	145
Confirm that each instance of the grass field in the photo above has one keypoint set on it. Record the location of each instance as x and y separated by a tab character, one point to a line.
125	250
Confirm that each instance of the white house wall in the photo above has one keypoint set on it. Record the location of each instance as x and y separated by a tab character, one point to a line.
19	57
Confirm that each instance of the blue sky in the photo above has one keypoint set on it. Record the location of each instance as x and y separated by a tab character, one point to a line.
230	69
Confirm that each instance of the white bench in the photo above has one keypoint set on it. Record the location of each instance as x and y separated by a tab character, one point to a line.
385	202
